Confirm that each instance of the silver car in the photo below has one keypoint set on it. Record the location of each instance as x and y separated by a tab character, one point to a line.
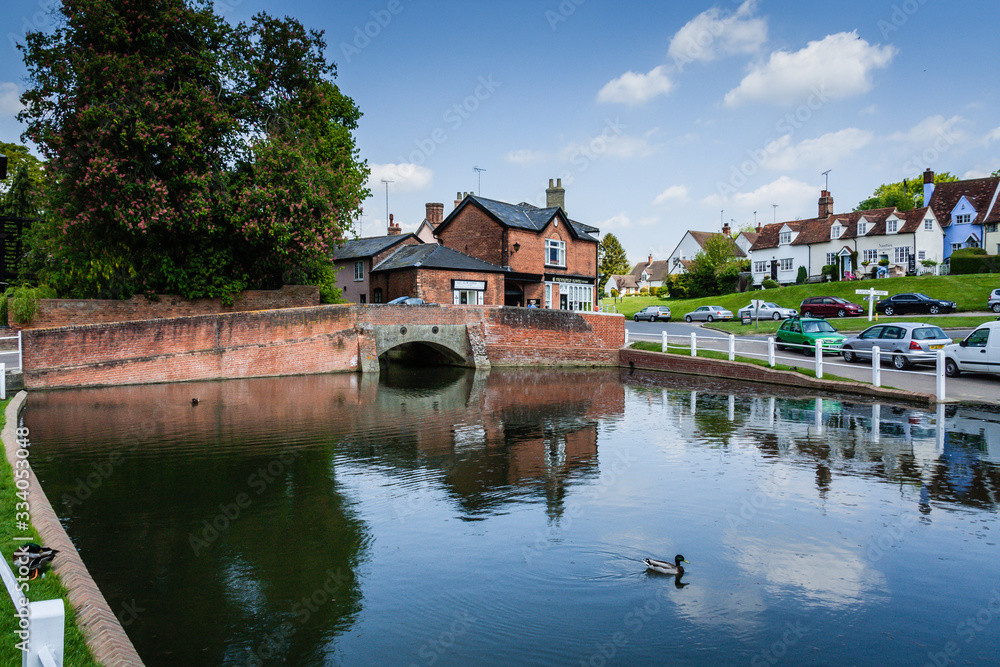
907	342
708	314
994	302
653	313
767	311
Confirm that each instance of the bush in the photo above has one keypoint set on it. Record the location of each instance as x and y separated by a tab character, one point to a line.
614	293
22	301
663	292
803	274
769	283
974	263
679	286
644	291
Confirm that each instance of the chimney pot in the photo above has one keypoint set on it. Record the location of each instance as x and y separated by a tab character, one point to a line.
555	196
928	177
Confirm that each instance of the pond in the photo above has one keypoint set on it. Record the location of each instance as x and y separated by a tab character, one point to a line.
447	517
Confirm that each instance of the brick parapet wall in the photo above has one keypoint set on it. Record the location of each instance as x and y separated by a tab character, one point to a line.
296	341
71	312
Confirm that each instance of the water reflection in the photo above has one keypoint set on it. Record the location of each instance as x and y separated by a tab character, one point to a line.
342	519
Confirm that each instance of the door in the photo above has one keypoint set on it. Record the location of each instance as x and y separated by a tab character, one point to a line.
993	350
563	301
867	340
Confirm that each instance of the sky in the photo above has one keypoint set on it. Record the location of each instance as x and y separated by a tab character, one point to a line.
658	117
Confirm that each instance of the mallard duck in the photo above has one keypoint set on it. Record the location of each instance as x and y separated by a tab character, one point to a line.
666	567
194	401
33	556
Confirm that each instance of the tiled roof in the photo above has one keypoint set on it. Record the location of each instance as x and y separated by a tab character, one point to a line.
749	236
912	220
625	282
525	216
768	237
656	271
368	246
433	256
979	191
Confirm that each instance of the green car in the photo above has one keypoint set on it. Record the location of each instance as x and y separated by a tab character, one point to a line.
802	334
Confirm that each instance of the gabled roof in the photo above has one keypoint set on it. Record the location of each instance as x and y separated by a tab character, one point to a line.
912	220
981	193
369	246
768	237
625	281
749	236
656	271
522	216
433	256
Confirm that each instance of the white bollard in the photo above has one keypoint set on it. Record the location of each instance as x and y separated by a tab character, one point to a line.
48	623
626	337
694	344
663	347
732	347
940	375
818	351
3	382
770	352
876	366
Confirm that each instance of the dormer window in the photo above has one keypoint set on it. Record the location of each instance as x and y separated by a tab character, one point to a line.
835	231
891	226
784	238
928	225
963	219
862	228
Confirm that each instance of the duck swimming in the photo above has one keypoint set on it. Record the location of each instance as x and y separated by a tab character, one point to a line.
666	567
34	557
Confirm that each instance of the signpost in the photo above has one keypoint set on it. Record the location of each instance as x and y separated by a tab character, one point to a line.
870	295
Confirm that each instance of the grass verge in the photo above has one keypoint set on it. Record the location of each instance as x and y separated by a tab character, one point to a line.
857	324
43	588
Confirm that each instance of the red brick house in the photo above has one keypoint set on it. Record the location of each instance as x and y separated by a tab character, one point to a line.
355	260
549	259
438	274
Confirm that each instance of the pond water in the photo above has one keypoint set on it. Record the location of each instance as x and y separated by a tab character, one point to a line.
445	517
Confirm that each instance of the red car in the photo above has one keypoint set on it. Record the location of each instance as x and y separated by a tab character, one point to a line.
829	306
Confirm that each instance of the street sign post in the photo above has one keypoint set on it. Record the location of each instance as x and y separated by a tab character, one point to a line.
870	295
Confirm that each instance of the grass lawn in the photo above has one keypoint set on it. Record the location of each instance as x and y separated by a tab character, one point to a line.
970	293
856	324
42	588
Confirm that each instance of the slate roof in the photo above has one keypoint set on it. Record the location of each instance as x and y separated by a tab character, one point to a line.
369	246
433	256
979	192
524	216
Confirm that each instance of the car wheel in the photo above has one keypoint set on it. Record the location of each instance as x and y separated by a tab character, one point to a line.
709	318
889	310
841	313
899	362
687	318
779	346
951	368
776	317
807	314
635	317
996	308
935	310
849	355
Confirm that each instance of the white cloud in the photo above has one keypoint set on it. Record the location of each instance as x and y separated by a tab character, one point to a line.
678	193
623	146
835	67
710	35
620	221
795	199
931	129
827	149
526	156
993	135
406	177
634	89
975	173
10	105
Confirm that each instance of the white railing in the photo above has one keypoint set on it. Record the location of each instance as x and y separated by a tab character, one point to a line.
41	625
728	343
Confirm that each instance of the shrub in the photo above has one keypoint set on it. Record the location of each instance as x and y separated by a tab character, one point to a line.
663	291
614	293
769	283
971	263
968	252
803	274
22	301
644	291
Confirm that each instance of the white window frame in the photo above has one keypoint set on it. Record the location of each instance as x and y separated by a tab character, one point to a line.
921	255
473	297
831	258
835	232
901	254
786	264
548	295
928	224
559	247
359	270
760	267
862	228
784	238
963	219
579	297
891	226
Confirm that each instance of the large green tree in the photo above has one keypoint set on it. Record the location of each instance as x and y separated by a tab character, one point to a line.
611	258
715	269
186	155
903	195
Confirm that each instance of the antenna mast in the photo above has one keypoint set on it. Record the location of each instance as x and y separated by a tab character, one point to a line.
387	182
827	175
479	172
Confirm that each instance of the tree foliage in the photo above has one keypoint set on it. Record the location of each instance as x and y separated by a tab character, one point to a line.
19	156
611	258
186	155
715	269
904	195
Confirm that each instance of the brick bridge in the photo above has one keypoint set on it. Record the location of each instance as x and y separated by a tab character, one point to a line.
321	339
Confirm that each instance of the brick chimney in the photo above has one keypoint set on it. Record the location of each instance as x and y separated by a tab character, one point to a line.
928	186
555	196
394	229
650	262
726	229
435	213
825	204
760	226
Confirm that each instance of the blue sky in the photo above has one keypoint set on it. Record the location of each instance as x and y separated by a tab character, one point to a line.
658	117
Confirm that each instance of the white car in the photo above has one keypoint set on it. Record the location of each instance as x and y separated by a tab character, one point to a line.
994	301
766	310
978	353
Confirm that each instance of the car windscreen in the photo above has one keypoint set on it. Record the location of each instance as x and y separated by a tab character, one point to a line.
772	305
817	327
928	333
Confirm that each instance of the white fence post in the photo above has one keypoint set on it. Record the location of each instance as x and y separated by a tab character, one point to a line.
770	351
732	347
3	382
20	354
664	347
44	624
940	375
626	336
818	351
694	344
876	366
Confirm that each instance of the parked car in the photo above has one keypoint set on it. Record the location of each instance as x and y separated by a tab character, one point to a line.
829	306
653	313
994	301
802	334
907	342
766	310
978	353
708	314
914	302
406	301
